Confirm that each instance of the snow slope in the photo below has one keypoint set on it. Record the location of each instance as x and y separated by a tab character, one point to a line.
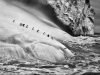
20	42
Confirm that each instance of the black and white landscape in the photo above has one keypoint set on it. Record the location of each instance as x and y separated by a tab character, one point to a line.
31	43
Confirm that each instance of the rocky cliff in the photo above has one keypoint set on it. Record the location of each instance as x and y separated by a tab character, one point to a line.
78	15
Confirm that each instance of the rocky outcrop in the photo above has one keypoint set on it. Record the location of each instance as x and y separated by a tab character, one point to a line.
76	14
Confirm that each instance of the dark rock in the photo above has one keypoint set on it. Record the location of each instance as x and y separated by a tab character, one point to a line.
26	65
93	56
78	15
91	73
93	63
79	57
83	64
71	65
48	66
11	62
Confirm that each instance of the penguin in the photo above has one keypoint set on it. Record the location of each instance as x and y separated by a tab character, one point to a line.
52	38
27	26
21	24
44	33
48	35
13	21
33	28
37	30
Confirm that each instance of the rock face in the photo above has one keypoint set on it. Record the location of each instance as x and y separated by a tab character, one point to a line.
76	14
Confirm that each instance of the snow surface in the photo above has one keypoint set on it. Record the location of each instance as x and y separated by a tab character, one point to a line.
20	42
